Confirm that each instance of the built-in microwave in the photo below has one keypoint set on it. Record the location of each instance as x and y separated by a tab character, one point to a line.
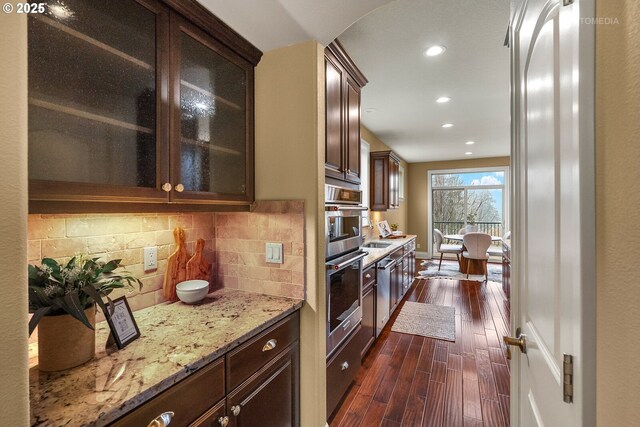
343	222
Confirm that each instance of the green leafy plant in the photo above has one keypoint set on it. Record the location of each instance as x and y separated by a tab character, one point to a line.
56	289
394	227
471	218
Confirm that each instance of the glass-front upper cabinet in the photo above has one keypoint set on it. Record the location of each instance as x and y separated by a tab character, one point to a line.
96	101
212	130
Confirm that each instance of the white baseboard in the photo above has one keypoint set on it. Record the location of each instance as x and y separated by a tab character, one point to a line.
422	255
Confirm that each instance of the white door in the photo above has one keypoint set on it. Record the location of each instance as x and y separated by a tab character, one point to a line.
553	300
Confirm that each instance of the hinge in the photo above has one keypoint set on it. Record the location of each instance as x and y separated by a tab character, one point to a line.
567	372
567	2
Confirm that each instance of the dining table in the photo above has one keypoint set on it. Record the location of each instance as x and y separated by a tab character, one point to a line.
470	266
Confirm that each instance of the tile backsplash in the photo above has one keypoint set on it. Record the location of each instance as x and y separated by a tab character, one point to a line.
235	244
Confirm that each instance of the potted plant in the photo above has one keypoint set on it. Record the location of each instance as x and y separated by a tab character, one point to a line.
62	298
471	223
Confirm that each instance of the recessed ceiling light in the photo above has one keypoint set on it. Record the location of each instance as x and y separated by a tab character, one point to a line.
60	11
468	153
470	142
435	50
370	110
443	99
447	125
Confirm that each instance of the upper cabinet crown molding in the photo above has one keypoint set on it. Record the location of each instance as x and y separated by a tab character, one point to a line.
338	50
201	16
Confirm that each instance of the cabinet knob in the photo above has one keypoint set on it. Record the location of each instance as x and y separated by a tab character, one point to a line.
223	421
270	345
166	187
235	410
179	188
162	420
367	276
349	171
344	366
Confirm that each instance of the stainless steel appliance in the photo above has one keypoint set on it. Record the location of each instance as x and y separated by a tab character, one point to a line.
383	303
344	297
343	220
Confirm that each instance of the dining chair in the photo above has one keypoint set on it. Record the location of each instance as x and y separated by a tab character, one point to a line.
444	248
468	229
476	245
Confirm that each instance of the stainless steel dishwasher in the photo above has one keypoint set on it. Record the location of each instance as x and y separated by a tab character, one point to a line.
384	293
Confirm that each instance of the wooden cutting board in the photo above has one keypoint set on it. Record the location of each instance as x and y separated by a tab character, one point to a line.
176	266
198	267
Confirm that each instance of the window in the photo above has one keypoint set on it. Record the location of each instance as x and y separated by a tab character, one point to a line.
468	197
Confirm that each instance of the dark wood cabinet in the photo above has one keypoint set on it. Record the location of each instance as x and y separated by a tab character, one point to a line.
343	82
260	380
385	180
506	269
369	296
342	369
269	397
135	103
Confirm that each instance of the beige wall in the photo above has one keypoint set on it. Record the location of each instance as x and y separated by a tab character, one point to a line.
418	208
290	164
393	216
14	389
618	213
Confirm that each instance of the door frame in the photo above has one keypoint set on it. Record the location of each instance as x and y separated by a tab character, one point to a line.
583	42
506	196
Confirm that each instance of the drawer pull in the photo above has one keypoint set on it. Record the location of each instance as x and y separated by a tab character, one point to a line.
270	345
223	421
344	366
235	410
162	420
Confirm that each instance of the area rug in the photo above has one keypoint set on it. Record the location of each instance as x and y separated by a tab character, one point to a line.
450	270
427	320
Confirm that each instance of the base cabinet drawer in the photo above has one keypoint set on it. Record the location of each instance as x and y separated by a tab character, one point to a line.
255	353
270	397
188	399
342	369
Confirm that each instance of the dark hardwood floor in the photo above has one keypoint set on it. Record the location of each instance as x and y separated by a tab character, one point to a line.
409	380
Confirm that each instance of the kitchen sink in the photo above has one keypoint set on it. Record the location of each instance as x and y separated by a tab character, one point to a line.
377	245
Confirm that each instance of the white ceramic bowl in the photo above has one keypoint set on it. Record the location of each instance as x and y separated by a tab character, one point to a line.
192	291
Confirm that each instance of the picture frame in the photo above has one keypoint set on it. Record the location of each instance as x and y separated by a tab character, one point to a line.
124	328
383	228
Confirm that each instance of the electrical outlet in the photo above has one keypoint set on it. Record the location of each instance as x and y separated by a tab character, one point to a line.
274	253
150	258
418	245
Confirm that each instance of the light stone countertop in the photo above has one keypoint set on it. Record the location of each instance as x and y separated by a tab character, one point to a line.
177	339
376	254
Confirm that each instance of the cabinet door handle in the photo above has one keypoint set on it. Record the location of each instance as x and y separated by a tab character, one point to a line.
166	187
344	366
179	188
367	276
270	345
235	410
162	420
223	421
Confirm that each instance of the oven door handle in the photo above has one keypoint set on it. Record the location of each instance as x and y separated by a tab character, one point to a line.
343	264
346	208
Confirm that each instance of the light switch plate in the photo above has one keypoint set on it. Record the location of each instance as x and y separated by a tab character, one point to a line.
274	253
150	258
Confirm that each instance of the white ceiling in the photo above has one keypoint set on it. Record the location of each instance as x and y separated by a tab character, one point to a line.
388	46
270	24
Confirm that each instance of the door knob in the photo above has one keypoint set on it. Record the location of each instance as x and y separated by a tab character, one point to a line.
519	341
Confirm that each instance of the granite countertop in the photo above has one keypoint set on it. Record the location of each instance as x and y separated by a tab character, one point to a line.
376	254
176	340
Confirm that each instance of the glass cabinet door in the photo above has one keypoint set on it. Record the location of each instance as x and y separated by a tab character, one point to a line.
97	78
212	118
